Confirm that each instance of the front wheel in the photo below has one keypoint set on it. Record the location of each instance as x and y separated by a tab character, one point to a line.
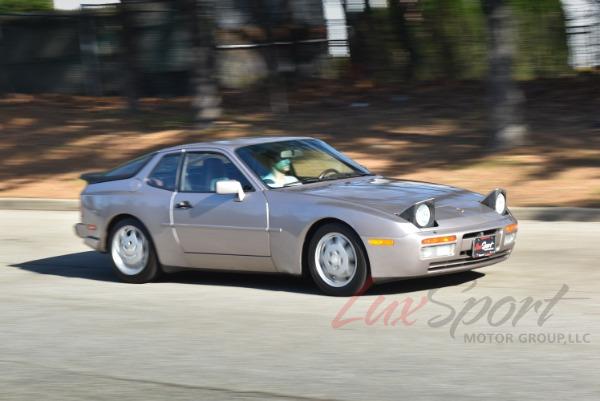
337	261
132	252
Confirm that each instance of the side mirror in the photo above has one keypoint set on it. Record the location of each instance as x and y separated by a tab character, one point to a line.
226	187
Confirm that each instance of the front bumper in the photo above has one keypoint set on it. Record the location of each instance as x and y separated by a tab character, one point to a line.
404	258
81	230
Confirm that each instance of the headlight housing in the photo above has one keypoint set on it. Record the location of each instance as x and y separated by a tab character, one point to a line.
421	214
496	200
500	206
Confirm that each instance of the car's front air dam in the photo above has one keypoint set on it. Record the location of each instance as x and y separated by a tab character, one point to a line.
403	259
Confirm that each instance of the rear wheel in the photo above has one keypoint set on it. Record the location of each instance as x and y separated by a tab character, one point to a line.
133	255
337	261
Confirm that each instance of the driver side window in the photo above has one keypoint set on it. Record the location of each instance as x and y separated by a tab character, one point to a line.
202	170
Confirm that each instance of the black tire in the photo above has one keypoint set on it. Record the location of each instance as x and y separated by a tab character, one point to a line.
150	269
361	279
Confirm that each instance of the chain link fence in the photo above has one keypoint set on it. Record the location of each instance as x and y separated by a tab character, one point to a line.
388	41
83	51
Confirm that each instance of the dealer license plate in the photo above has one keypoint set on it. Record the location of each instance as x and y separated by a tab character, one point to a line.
484	246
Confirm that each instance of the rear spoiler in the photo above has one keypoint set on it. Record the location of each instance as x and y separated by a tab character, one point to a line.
100	176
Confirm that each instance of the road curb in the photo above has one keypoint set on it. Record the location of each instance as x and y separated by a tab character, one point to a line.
521	213
39	204
584	214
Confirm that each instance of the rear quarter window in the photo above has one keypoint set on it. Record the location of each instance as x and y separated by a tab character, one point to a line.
130	168
164	175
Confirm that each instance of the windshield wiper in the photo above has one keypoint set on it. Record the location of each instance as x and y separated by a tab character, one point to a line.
345	175
352	175
310	180
334	177
292	184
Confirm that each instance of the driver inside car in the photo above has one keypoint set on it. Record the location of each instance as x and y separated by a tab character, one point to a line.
279	175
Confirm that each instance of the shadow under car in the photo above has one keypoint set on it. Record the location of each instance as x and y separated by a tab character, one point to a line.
97	266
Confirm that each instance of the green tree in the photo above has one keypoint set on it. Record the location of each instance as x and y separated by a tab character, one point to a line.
25	5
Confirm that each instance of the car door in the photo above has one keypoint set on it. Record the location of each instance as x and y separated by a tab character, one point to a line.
210	223
152	205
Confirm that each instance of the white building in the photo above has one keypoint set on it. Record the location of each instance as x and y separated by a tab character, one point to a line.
583	32
76	4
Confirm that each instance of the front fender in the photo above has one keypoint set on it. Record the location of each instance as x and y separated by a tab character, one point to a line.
291	216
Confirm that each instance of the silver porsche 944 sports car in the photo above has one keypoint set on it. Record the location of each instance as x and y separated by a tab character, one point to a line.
288	205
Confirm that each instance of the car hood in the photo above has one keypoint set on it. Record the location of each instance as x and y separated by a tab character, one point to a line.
395	196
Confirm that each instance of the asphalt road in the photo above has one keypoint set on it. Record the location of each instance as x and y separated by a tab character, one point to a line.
69	331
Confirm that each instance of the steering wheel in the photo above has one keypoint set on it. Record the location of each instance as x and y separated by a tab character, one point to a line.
327	172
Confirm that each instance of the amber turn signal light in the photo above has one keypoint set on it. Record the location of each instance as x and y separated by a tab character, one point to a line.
511	228
381	241
439	240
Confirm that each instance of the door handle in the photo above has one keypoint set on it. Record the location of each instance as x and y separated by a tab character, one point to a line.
183	205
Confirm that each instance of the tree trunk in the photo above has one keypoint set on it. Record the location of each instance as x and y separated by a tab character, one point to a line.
89	56
397	17
128	54
3	69
445	43
207	98
507	127
277	86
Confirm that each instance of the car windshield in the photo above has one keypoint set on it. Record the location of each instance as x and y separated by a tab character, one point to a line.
298	162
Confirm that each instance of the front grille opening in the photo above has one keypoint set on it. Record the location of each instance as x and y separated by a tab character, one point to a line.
467	261
480	233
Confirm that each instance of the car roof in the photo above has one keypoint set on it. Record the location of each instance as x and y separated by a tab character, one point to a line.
236	143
